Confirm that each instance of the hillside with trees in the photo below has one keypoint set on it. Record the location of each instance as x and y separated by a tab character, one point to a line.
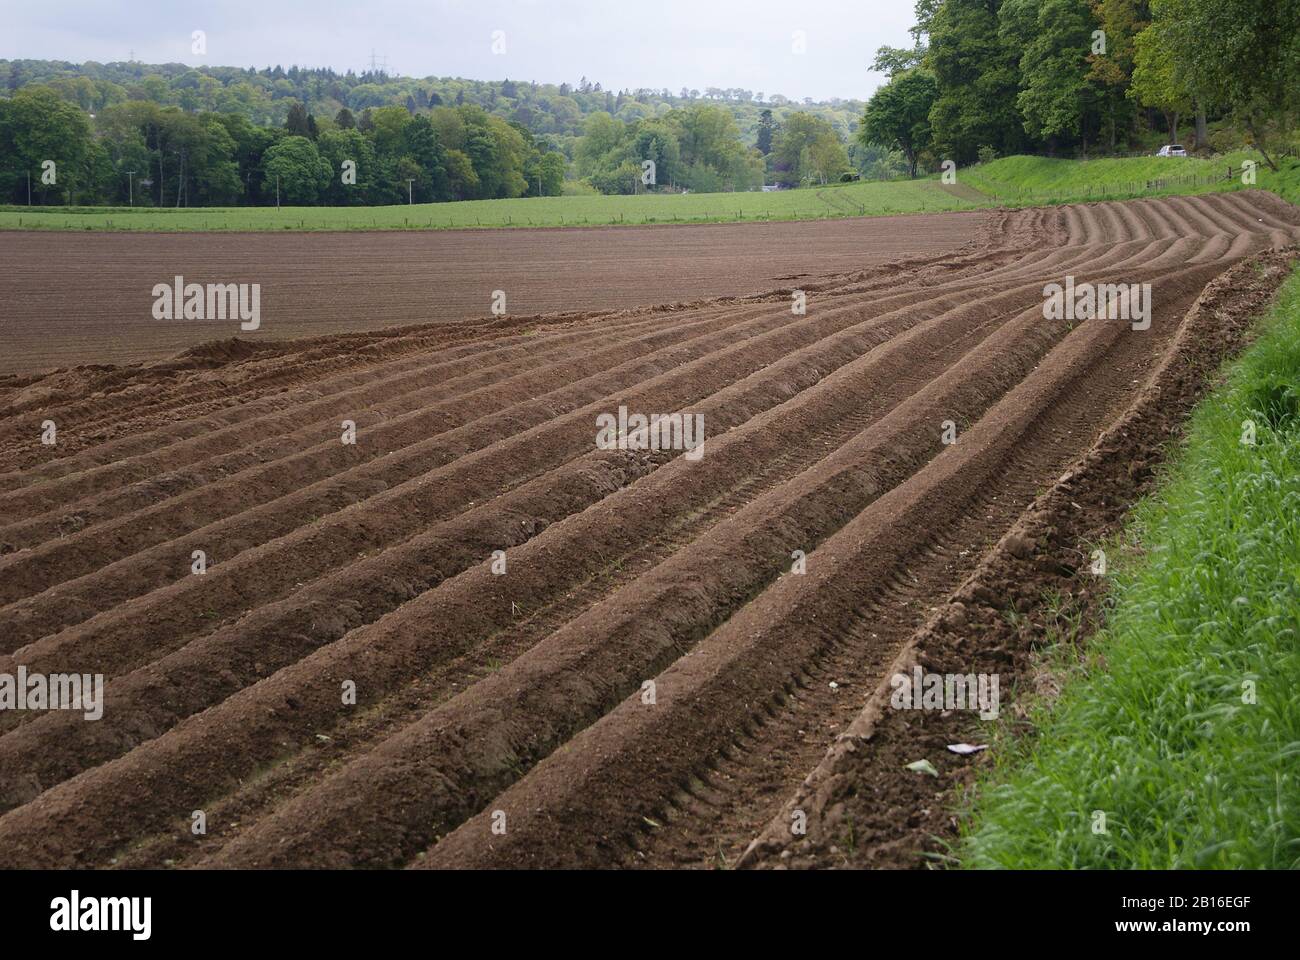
982	79
226	136
989	78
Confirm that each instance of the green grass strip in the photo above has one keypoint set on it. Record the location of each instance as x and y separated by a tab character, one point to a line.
832	201
1181	722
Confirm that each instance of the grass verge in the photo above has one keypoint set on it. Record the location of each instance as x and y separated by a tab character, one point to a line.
1181	721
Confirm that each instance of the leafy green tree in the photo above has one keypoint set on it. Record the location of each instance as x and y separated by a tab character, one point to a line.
420	145
296	122
623	179
388	130
551	167
603	144
1241	54
37	125
892	61
301	172
1056	98
1157	80
656	141
708	135
765	131
807	149
898	116
122	135
337	147
875	161
1112	70
462	181
212	175
978	79
250	145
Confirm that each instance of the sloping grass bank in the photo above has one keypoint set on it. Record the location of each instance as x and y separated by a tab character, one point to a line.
1182	723
1029	180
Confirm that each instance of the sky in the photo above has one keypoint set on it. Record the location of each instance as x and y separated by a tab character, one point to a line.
750	44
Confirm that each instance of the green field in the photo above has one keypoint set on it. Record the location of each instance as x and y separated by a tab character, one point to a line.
839	200
1182	719
1012	181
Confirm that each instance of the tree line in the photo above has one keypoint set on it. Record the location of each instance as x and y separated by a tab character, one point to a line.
176	136
699	148
997	77
139	152
264	96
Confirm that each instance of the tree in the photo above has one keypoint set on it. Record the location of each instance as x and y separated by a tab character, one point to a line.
1252	67
708	135
892	61
339	146
656	141
978	78
899	115
344	119
420	144
296	122
301	171
1056	98
212	176
1112	70
388	130
603	143
807	149
250	145
552	167
765	130
875	161
462	181
1156	77
37	125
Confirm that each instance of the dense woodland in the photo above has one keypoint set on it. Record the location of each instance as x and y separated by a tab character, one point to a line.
983	78
1082	77
223	135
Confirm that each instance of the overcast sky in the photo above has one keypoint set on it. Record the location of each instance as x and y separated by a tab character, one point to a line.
619	43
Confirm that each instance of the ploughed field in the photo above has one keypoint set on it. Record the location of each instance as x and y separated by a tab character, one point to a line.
645	681
87	298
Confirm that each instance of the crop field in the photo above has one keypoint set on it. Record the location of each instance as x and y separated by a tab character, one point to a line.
384	598
87	298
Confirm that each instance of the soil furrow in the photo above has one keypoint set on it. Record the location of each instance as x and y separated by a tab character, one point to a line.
357	680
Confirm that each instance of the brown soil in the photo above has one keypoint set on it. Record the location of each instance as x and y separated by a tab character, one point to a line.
521	695
87	299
